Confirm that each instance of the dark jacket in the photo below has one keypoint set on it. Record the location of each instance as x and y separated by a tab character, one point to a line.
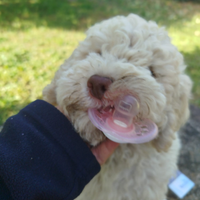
42	157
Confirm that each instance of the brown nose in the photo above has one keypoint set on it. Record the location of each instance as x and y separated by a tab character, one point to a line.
98	85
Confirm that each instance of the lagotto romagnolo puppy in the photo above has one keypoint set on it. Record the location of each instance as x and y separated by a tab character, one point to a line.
127	55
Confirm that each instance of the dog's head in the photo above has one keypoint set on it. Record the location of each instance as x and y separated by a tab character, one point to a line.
124	55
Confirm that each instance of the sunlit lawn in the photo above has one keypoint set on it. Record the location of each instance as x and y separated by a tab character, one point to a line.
187	39
36	37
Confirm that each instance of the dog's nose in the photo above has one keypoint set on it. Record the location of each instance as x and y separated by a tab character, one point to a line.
98	85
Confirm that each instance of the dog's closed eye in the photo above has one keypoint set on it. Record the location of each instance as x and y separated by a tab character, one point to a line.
152	71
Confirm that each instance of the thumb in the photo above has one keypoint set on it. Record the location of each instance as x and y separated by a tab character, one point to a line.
104	150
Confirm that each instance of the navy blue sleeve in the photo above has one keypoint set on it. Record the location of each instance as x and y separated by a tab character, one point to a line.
42	157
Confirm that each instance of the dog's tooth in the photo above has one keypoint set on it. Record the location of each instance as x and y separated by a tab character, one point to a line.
105	96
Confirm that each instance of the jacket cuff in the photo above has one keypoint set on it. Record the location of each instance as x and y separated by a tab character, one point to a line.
63	132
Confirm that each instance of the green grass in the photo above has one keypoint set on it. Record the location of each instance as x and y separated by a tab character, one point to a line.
187	39
37	35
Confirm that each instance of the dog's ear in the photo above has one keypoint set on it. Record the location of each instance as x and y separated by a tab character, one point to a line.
49	93
176	114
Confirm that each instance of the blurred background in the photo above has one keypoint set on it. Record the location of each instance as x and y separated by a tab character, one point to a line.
37	35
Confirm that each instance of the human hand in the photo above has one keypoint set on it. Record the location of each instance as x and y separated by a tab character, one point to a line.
102	151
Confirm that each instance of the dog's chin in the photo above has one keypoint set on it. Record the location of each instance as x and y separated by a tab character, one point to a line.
100	137
95	138
91	135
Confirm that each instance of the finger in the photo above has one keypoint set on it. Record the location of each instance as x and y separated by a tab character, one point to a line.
104	150
59	109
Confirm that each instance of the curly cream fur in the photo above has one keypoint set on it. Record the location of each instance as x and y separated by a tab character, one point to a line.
129	50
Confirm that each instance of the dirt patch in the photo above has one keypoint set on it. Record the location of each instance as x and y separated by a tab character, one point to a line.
189	160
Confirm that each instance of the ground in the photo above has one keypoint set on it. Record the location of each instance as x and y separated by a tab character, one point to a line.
189	160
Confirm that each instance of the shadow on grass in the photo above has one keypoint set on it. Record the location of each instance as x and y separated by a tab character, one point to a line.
80	14
193	70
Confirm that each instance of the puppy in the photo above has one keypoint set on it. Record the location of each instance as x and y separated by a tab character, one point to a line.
120	56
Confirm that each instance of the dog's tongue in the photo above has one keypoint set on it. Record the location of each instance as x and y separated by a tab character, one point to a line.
120	125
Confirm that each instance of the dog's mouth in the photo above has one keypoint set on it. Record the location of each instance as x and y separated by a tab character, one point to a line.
119	123
106	109
121	112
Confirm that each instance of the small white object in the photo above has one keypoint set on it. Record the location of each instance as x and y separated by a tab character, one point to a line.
181	185
122	124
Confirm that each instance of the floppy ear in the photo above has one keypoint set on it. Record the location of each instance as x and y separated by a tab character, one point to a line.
49	93
177	114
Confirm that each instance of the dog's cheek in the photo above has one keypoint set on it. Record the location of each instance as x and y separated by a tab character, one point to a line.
49	94
182	104
176	115
166	133
91	134
83	126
